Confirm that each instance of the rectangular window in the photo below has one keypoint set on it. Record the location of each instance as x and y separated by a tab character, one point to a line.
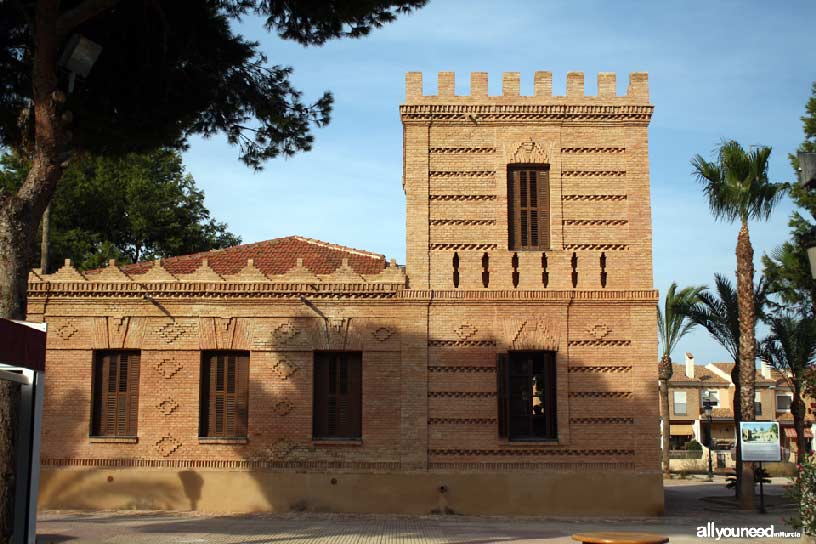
757	404
338	396
224	394
526	395
115	392
528	213
711	396
680	403
783	403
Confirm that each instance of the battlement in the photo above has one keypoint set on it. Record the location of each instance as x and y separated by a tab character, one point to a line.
636	93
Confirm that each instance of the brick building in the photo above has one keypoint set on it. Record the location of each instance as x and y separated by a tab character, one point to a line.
508	368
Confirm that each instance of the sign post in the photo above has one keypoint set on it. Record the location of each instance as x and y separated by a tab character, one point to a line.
760	443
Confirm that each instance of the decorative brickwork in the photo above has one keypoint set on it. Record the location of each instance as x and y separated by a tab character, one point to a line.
461	394
532	452
584	150
167	406
605	369
602	420
167	445
601	394
167	368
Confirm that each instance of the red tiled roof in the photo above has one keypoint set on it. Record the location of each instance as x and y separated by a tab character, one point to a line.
275	256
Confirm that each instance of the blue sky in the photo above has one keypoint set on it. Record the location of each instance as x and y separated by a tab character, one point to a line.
727	69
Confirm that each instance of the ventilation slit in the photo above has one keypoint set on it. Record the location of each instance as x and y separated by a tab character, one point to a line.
456	271
545	275
574	270
515	262
485	270
603	270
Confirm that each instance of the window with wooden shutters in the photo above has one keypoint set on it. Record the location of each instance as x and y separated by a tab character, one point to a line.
528	207
115	392
224	394
526	395
338	399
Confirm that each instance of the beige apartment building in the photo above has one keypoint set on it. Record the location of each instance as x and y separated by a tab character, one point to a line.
691	384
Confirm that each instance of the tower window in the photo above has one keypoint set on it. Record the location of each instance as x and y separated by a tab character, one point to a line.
528	210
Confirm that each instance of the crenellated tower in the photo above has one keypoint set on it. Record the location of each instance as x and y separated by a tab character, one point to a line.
527	192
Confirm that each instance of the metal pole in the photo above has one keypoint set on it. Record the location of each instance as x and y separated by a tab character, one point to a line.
710	442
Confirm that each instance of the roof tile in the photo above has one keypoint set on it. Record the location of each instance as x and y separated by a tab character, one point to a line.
271	257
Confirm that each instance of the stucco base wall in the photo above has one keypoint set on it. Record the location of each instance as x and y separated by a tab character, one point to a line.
551	494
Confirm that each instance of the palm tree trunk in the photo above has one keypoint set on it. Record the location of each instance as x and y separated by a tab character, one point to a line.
798	410
735	379
747	342
664	414
664	372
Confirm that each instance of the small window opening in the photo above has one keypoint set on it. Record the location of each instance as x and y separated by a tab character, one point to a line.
574	270
545	275
515	262
485	270
456	271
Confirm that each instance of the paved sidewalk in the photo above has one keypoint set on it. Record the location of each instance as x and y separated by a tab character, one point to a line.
689	504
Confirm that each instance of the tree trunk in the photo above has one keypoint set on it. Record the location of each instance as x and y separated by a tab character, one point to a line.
747	347
665	372
20	215
735	379
798	411
46	236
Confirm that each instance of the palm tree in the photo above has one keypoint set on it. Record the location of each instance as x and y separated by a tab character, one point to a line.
672	325
718	313
791	349
737	187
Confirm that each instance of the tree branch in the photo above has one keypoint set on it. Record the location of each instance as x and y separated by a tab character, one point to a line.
81	13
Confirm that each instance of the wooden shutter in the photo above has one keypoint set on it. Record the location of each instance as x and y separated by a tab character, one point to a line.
227	394
241	394
528	208
501	393
550	407
338	395
132	393
116	394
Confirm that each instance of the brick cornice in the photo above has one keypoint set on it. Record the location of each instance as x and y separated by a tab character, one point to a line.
83	289
466	113
565	296
135	290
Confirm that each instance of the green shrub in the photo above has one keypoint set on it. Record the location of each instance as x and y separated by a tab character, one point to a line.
803	491
693	445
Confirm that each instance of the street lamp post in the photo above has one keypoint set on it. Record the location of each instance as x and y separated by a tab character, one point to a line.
807	178
707	412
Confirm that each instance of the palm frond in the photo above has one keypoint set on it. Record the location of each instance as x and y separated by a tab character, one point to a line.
674	320
737	185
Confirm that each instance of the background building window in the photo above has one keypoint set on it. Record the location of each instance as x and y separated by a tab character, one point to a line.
757	403
680	403
526	395
115	392
338	398
783	403
528	207
224	394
